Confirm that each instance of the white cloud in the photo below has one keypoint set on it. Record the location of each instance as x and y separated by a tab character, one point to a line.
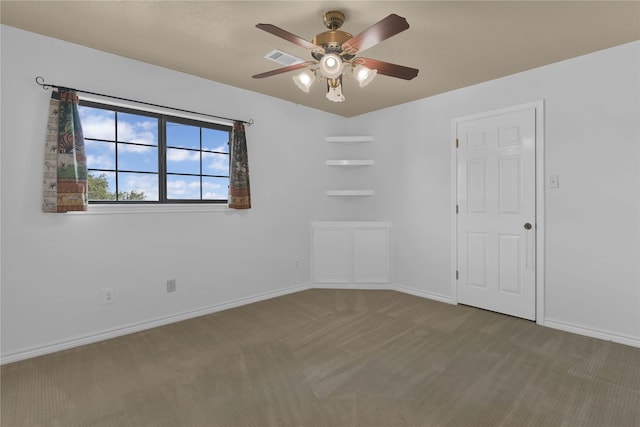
100	162
97	125
148	184
221	148
101	125
211	185
217	162
138	134
148	125
174	155
214	195
127	148
182	189
100	155
212	190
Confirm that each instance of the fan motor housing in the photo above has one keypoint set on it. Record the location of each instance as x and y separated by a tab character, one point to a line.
335	37
331	41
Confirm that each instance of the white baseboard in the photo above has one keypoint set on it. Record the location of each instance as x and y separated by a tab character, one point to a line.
137	327
154	323
423	294
593	333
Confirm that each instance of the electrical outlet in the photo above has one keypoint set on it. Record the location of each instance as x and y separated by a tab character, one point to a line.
171	285
108	295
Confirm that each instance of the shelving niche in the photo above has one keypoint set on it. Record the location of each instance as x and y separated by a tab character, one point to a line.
349	163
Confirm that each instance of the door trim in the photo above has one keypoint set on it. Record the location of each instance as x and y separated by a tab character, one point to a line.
538	107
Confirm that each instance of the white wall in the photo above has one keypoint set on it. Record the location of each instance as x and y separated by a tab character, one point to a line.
592	122
54	266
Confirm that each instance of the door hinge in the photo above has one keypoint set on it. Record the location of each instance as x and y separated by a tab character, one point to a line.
457	209
456	274
457	143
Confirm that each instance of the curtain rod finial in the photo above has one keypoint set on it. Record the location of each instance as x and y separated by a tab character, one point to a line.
40	82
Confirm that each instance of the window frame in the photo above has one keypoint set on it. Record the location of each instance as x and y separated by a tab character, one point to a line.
163	118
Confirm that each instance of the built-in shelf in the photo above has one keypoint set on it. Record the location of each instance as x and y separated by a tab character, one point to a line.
349	139
350	162
350	192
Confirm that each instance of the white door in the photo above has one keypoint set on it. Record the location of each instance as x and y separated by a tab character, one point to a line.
496	193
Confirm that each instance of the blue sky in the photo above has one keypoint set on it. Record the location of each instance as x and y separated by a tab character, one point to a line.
139	129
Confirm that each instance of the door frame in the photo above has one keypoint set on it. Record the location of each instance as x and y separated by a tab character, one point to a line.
538	107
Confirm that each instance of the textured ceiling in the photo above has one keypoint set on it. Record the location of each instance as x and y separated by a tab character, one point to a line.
453	43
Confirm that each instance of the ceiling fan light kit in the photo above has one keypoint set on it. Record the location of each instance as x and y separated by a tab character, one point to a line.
364	75
304	80
331	65
333	50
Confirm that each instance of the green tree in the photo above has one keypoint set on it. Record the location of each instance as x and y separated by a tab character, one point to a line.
131	195
99	190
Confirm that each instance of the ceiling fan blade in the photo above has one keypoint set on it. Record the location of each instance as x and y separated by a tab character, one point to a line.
389	69
283	70
283	34
381	30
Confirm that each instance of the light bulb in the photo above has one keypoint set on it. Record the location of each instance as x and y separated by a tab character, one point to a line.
364	75
304	80
331	65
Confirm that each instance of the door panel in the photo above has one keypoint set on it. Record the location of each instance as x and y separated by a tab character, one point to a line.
510	179
477	259
476	186
496	197
510	261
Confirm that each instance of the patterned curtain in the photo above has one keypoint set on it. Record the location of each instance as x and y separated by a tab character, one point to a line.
239	190
65	163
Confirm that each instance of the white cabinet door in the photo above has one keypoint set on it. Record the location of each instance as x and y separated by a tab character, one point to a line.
371	255
351	254
331	255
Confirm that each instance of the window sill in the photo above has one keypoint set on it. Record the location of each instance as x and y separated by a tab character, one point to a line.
151	208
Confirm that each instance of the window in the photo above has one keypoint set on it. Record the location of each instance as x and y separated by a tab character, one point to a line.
142	157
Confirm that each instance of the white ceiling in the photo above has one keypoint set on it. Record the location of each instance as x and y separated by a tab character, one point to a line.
453	43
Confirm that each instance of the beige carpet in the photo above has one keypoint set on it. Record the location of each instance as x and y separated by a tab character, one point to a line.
332	358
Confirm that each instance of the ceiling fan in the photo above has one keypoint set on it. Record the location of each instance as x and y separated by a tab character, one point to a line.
334	50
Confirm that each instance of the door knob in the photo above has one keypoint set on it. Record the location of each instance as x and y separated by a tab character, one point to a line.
527	226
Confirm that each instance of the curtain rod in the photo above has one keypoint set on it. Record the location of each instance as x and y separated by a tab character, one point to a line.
46	86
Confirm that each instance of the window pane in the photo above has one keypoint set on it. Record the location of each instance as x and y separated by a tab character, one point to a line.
137	129
183	187
215	164
137	187
215	188
183	161
97	123
215	140
102	186
185	136
100	155
137	158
